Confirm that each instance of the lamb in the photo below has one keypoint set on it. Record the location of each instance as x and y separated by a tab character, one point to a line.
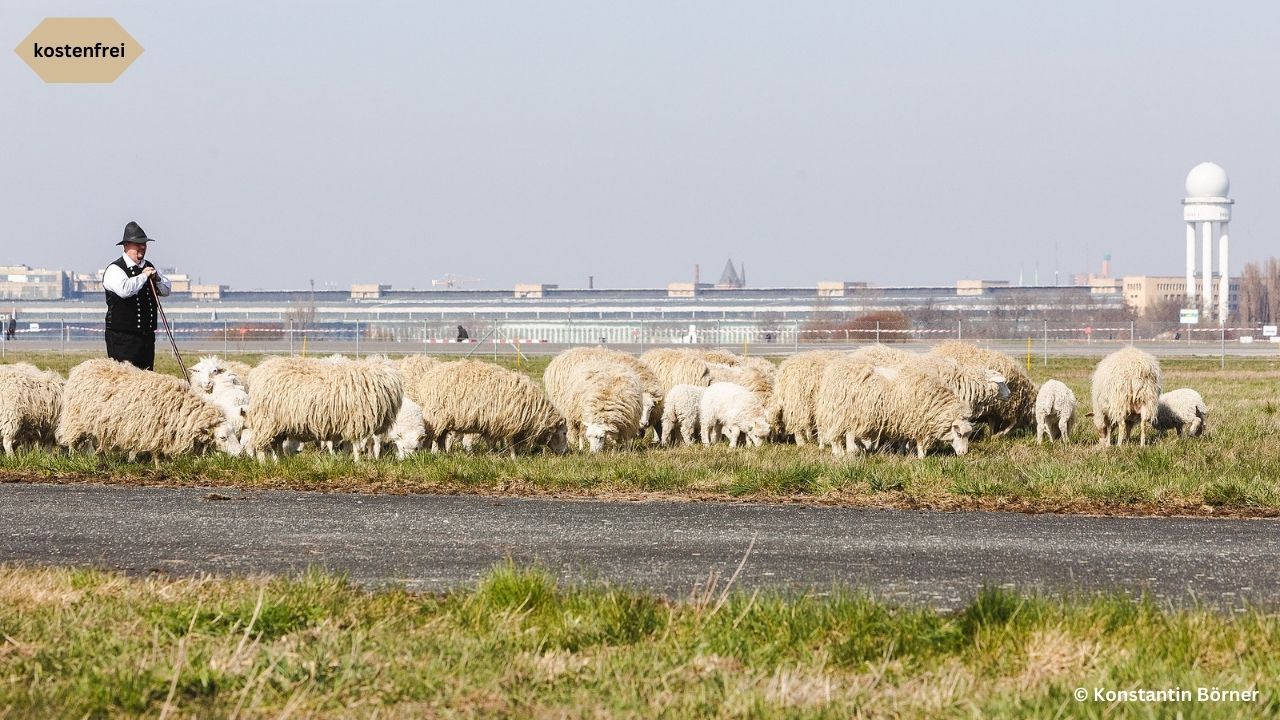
1181	409
305	399
867	410
502	406
734	411
795	389
680	410
119	407
1125	390
602	405
1055	411
30	403
214	381
1004	416
406	434
674	367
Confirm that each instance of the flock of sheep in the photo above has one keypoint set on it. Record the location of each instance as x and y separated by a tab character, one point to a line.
875	399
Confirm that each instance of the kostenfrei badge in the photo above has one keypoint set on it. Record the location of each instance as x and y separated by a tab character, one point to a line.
79	50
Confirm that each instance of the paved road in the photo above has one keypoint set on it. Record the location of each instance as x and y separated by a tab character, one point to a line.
437	542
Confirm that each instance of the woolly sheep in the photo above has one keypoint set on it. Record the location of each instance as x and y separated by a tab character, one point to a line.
1125	389
674	367
734	411
306	399
1055	411
119	407
983	388
749	377
30	403
1014	412
502	406
680	410
795	390
602	405
1181	409
554	378
406	434
868	411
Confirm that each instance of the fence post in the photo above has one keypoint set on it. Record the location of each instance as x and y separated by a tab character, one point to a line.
424	336
291	337
796	338
1130	332
224	339
63	337
1046	343
877	331
357	339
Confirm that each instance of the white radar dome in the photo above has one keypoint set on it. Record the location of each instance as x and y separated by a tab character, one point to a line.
1207	180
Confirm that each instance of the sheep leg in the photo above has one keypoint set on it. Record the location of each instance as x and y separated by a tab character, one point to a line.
1142	431
8	444
733	433
1064	430
1042	430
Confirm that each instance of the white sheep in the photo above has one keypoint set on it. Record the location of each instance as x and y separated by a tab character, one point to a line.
305	399
602	405
1006	415
1125	389
502	406
1055	411
860	410
1181	410
214	381
561	390
119	407
680	410
406	435
734	411
30	403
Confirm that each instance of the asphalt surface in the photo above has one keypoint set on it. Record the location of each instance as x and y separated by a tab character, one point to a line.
437	542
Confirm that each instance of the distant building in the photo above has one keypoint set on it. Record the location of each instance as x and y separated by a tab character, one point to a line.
1142	292
978	287
19	282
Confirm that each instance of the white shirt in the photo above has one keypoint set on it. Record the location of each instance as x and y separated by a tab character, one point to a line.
118	282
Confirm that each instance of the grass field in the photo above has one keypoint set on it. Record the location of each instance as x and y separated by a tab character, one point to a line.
84	643
1233	471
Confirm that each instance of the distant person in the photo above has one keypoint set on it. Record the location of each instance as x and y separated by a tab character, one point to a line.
131	307
11	328
462	333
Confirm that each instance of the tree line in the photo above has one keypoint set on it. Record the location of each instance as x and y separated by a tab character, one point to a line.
1260	292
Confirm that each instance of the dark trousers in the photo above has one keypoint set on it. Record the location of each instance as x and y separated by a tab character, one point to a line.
139	350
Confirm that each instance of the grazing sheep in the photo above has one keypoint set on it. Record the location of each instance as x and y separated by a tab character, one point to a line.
554	378
680	410
119	407
734	411
795	391
1125	389
1055	411
673	367
406	434
1014	412
1181	409
982	388
214	381
867	410
305	399
720	357
603	405
30	403
504	407
749	377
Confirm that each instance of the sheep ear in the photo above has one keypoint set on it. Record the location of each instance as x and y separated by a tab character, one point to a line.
243	410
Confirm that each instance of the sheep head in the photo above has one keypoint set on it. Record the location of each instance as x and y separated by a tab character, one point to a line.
961	430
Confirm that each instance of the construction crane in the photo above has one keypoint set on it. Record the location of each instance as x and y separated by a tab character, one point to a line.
452	282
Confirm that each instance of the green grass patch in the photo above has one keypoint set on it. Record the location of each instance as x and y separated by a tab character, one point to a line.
85	643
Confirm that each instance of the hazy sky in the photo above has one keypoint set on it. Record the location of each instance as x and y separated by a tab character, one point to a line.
269	143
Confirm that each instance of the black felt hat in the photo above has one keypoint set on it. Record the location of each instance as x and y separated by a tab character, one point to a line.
134	233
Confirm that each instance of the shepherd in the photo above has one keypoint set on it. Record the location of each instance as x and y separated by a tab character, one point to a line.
132	284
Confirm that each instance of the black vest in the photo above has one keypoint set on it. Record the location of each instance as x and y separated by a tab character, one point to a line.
136	314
